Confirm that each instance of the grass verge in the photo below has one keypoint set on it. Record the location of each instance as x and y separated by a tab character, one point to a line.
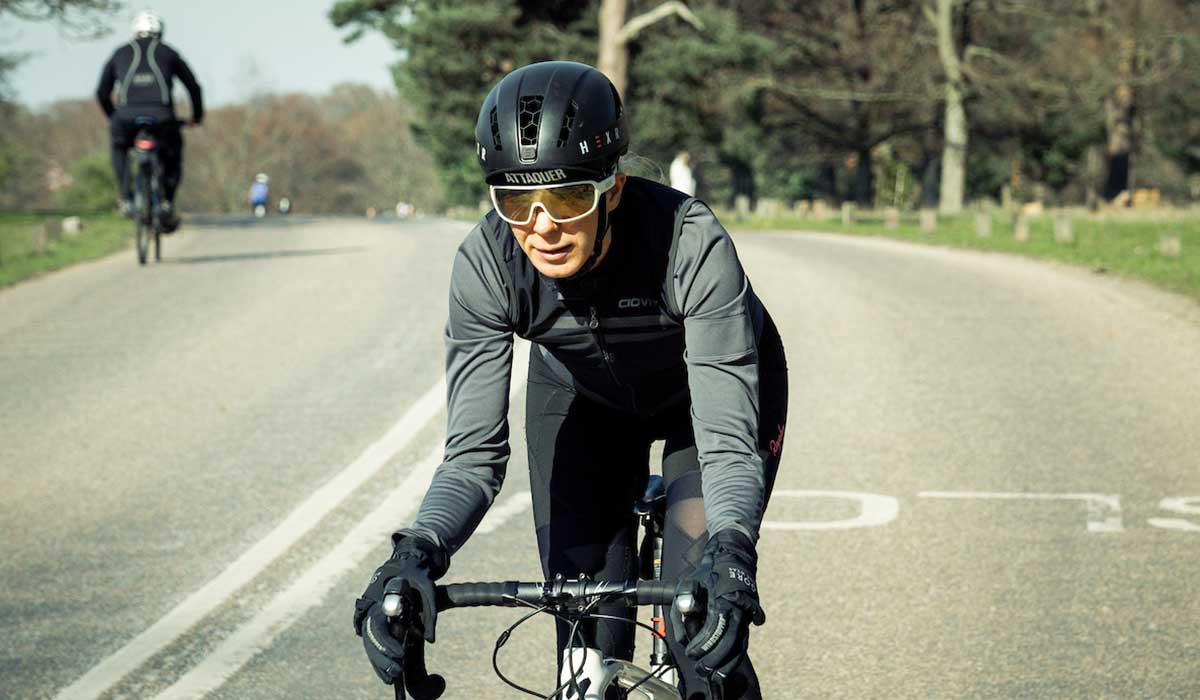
1132	244
21	258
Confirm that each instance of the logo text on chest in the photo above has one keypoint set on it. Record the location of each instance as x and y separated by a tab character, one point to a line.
637	303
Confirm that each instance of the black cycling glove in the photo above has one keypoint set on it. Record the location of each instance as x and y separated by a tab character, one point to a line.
725	583
417	563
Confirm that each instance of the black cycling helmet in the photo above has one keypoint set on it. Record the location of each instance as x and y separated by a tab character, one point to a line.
550	122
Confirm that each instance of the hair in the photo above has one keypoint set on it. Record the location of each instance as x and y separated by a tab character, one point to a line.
640	166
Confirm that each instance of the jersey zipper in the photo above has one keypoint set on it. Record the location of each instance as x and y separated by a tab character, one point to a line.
594	326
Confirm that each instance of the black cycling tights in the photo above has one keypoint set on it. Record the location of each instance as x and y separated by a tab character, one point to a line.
123	128
588	465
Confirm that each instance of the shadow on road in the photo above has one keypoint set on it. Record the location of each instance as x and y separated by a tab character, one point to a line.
262	255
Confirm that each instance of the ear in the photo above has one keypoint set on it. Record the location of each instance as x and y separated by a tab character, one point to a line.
614	195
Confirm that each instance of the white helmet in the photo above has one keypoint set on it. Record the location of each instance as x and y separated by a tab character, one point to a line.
262	177
147	23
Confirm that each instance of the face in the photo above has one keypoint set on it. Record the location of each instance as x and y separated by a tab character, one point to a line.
560	250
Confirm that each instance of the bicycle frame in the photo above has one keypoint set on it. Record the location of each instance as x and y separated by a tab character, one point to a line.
587	671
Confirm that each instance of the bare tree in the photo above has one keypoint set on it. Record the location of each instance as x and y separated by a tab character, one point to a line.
954	151
616	34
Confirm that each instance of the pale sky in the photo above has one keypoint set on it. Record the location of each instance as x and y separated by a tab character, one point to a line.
236	48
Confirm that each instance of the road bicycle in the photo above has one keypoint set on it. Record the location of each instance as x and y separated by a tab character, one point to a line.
146	173
586	674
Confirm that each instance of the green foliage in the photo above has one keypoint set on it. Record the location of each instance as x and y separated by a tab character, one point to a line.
455	51
690	90
93	186
20	167
19	260
1175	125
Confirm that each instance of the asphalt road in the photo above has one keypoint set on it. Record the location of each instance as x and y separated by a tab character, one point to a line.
990	488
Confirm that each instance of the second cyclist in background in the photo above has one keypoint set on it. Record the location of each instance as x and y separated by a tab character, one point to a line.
142	73
260	192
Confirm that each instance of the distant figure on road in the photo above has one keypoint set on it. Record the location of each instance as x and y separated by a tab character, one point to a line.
260	191
142	71
681	173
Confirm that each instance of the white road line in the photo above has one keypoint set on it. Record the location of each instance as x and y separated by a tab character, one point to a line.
499	514
307	591
111	670
1104	510
874	510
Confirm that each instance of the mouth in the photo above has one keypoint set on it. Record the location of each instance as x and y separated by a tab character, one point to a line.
556	254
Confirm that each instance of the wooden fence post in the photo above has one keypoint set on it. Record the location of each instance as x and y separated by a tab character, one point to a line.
891	218
1064	232
983	224
53	227
1021	229
928	221
38	238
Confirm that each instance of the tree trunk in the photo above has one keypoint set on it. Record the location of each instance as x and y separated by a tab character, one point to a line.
1118	122
863	188
614	51
616	33
954	154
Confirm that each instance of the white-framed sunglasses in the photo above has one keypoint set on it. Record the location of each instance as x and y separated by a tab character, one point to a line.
568	201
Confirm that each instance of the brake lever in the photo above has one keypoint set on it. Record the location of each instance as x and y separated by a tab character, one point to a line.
421	684
399	607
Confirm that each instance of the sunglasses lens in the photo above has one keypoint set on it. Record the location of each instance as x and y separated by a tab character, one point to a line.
514	205
570	201
562	203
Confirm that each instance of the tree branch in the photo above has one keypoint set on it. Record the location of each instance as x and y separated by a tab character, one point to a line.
630	31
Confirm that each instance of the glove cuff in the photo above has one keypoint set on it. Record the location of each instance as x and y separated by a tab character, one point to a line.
733	543
426	552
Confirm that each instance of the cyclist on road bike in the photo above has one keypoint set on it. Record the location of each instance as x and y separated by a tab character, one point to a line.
644	327
143	71
260	191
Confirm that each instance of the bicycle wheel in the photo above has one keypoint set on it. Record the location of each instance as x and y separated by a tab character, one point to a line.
156	191
142	214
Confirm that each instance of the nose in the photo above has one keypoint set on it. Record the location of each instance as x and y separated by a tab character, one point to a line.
542	223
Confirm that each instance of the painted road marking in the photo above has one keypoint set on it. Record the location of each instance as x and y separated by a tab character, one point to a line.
1185	506
307	591
874	510
302	519
1104	510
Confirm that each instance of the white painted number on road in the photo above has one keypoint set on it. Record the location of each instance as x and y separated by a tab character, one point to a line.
1104	511
1185	506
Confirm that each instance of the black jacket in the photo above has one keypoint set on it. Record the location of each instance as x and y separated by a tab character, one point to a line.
667	317
143	72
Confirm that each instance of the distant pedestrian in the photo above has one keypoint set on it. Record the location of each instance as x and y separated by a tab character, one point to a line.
681	173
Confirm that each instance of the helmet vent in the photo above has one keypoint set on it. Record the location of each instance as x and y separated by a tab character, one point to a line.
568	121
496	131
529	121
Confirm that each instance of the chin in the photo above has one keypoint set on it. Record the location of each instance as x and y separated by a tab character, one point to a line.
558	271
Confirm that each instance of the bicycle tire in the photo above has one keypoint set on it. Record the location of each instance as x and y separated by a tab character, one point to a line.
142	214
632	679
156	189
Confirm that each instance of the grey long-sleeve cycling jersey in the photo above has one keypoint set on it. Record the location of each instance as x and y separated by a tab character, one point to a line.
669	314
